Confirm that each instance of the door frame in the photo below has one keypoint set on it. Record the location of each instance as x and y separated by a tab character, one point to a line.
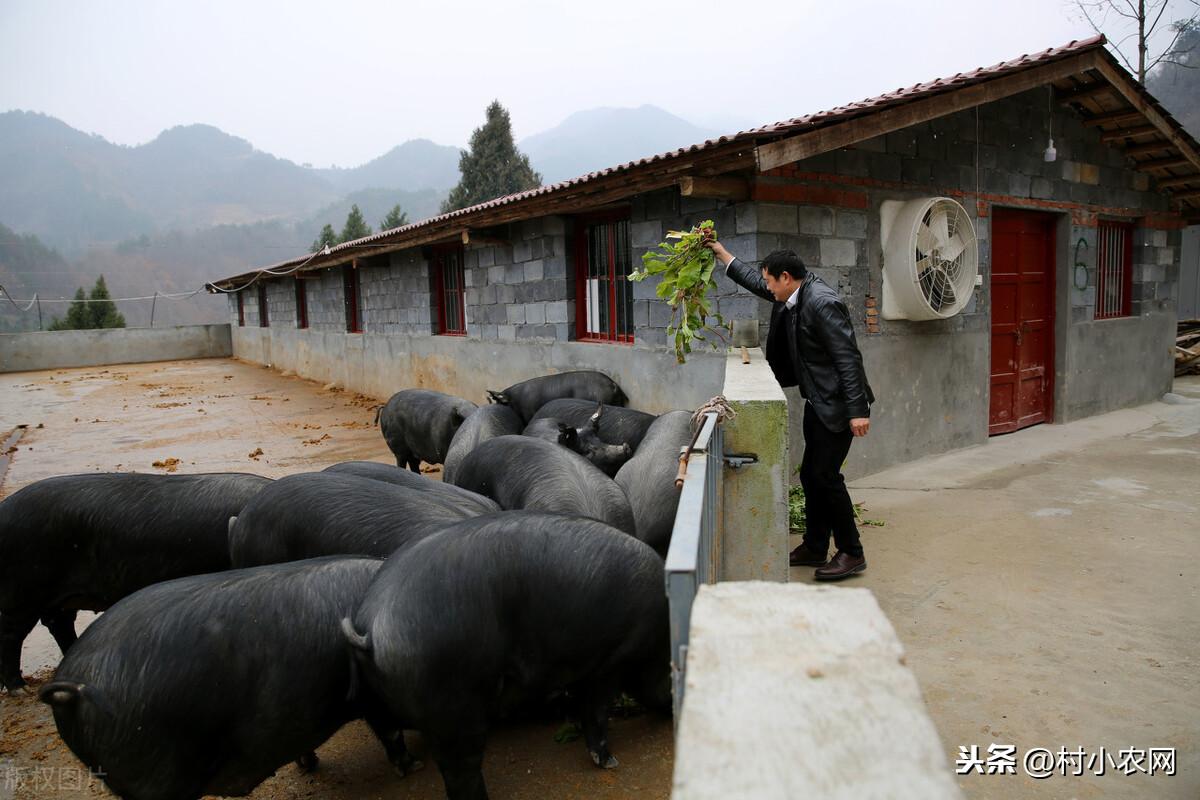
1059	226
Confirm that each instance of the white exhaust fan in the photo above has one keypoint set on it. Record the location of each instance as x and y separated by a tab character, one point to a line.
930	258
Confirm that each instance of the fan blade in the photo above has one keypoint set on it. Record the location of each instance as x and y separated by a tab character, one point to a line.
953	248
939	223
925	240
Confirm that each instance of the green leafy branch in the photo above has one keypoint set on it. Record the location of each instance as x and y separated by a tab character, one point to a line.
685	267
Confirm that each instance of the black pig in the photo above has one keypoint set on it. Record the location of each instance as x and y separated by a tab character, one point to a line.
208	684
327	513
85	541
498	611
528	396
418	424
521	472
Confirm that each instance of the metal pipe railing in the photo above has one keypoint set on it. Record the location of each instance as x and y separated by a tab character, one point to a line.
694	556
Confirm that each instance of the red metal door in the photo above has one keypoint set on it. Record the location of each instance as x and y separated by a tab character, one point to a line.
1022	320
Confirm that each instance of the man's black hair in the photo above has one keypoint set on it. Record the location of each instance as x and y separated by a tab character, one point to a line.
782	261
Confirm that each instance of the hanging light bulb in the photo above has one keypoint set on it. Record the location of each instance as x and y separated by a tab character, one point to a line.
1050	154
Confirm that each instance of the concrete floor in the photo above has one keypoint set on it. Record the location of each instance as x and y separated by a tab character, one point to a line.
1046	586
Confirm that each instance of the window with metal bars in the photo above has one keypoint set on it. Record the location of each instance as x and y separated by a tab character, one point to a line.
353	299
448	286
604	295
241	309
301	304
263	320
1114	269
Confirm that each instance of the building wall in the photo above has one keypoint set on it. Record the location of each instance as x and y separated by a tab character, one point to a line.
931	379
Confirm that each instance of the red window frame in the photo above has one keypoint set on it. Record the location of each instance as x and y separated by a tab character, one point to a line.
351	287
1114	269
241	309
448	279
603	288
263	317
301	304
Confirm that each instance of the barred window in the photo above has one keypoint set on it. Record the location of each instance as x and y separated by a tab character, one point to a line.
448	286
352	298
1114	269
263	321
604	295
301	304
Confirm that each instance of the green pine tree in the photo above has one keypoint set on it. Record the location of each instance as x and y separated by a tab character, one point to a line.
491	166
328	237
394	219
78	317
102	309
356	227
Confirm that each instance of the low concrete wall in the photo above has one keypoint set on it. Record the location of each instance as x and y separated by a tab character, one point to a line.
1115	363
801	691
381	364
23	352
754	505
931	396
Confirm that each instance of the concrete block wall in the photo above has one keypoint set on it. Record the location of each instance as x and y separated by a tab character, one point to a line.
656	213
397	294
524	289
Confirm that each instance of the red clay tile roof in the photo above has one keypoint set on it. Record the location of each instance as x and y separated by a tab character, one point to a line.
767	132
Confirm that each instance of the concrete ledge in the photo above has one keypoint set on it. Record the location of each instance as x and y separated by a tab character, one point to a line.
382	364
23	352
801	691
755	497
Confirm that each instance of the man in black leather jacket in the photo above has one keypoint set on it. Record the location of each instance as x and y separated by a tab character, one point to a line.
811	344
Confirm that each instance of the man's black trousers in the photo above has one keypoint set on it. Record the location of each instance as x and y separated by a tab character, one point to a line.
827	505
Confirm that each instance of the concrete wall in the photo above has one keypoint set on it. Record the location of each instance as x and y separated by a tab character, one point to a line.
379	365
1189	275
20	352
802	692
754	501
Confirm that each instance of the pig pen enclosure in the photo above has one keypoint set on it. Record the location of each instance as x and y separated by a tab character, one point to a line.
218	415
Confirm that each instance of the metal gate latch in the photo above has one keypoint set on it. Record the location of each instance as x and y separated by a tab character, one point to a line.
739	460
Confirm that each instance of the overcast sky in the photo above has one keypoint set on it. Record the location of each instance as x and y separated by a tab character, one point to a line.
341	83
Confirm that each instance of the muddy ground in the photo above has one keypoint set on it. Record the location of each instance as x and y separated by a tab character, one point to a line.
222	415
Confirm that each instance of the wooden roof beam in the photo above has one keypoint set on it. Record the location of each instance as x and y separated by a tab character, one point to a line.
1148	148
1127	133
1097	89
721	188
1123	115
1176	180
1186	196
1162	163
1133	95
831	137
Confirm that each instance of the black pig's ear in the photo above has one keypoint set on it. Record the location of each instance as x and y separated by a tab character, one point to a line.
497	397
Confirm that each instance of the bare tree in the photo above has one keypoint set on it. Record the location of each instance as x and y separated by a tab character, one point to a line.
1141	19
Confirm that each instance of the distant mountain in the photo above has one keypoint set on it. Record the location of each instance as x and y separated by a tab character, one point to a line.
591	140
416	164
73	190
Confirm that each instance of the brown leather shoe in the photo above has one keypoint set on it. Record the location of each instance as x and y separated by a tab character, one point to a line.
803	557
842	565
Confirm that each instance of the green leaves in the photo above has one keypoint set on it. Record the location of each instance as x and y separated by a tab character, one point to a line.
685	268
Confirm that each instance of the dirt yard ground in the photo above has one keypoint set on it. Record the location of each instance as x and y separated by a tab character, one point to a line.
1046	587
222	416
